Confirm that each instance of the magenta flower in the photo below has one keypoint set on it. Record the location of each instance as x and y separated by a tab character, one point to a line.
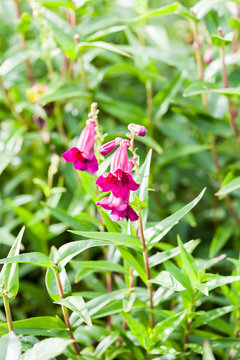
105	149
119	207
138	130
119	180
83	154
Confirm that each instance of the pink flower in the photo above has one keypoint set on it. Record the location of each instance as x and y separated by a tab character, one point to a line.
138	130
208	56
119	180
119	207
83	155
109	146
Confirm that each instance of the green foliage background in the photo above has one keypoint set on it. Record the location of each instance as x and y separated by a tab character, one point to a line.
139	64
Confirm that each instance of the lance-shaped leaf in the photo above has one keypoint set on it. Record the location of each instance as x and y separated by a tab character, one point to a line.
77	305
46	349
117	238
9	280
164	328
207	351
143	180
212	315
166	279
164	10
68	251
34	258
39	326
157	232
139	330
188	263
10	347
230	187
163	256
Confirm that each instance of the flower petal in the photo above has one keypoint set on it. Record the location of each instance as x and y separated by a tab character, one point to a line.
72	154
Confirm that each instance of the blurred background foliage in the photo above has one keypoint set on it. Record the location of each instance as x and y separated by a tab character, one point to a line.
56	58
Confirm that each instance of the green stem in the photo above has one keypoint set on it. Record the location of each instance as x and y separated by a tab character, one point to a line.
8	312
65	312
226	84
146	263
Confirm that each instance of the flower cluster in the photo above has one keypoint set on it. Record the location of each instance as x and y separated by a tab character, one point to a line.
119	180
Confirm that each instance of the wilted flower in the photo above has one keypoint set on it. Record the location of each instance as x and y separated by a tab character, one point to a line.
83	154
138	130
118	180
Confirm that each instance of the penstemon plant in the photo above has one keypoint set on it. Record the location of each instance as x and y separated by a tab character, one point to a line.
119	165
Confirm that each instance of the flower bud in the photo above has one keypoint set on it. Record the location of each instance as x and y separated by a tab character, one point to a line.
138	130
208	56
108	147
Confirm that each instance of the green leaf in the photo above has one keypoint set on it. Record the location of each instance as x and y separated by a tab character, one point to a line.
105	343
100	302
164	10
167	280
46	349
188	263
56	3
220	281
117	238
63	33
9	280
207	351
221	236
139	330
221	41
62	216
161	257
105	46
198	87
164	328
39	326
72	249
76	304
143	180
181	152
135	261
230	187
234	23
34	258
10	347
204	6
63	93
157	232
178	275
211	315
13	61
100	265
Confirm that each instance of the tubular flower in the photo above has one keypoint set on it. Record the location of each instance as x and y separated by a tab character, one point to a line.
83	154
138	130
118	180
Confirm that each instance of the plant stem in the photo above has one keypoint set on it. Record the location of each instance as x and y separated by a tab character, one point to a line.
65	312
24	47
145	257
10	102
200	63
226	84
8	312
149	94
189	322
235	37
